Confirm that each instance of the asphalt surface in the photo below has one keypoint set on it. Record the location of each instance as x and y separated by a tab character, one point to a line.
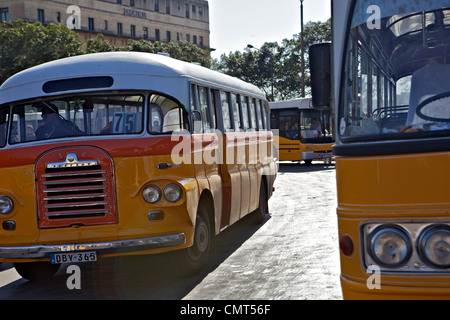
292	255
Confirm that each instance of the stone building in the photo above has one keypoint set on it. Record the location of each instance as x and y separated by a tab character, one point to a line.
119	20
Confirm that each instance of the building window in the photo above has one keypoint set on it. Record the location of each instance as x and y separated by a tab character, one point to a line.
133	30
194	39
4	15
119	1
188	14
58	17
40	16
132	3
188	38
168	6
157	36
91	24
119	28
201	41
168	36
157	5
106	25
145	33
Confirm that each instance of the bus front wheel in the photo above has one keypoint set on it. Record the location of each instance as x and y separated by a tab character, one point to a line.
195	257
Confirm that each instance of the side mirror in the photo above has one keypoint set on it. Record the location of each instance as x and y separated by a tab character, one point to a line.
320	69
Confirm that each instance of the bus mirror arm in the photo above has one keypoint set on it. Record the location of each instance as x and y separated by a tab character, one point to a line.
196	120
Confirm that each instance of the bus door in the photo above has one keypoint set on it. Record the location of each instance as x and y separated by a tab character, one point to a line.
206	144
230	169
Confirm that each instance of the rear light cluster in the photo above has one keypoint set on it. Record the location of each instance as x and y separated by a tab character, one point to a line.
415	247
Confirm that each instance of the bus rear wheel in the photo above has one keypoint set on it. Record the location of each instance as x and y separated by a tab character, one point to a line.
263	209
36	271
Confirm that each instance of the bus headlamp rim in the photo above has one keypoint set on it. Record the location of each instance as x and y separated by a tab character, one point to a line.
151	194
423	241
174	187
395	231
6	205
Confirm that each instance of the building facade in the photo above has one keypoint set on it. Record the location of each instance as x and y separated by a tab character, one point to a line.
119	20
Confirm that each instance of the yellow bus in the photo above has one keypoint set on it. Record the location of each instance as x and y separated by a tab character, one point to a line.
304	132
390	72
127	153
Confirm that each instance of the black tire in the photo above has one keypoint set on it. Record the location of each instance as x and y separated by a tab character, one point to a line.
263	209
193	259
36	271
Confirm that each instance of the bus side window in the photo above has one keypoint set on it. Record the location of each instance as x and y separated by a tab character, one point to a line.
227	125
252	113
236	112
204	108
263	115
4	119
245	116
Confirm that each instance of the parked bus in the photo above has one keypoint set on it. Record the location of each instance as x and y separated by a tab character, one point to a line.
90	150
304	133
392	96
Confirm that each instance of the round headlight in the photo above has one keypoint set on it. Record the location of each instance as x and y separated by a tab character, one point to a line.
6	205
172	193
390	246
434	246
151	194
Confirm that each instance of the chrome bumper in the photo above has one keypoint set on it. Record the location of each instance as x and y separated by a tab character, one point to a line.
35	252
311	155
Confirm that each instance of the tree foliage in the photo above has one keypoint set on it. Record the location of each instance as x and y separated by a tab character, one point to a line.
24	45
276	64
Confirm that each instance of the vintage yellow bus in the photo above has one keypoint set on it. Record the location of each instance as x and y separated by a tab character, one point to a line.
303	132
127	153
392	100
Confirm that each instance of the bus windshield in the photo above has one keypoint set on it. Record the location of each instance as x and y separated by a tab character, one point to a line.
396	82
315	126
90	115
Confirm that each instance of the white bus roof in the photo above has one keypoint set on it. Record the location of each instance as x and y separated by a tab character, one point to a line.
129	71
303	103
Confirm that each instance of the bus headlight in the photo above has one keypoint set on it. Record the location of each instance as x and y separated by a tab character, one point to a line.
172	193
390	246
434	246
151	194
6	205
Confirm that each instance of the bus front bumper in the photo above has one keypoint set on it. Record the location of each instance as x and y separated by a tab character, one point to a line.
38	252
316	155
353	290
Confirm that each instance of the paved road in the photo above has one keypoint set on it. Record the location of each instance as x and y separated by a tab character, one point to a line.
292	255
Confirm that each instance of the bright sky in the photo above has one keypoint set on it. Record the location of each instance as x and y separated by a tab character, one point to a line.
236	23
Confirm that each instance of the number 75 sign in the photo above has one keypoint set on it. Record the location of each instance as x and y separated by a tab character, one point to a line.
124	122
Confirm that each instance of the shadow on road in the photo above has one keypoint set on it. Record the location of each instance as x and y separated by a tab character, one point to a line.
135	277
293	167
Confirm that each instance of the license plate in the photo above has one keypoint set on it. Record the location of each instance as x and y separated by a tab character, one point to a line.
73	257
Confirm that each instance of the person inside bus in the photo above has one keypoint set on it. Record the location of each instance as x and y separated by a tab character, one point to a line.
54	126
315	125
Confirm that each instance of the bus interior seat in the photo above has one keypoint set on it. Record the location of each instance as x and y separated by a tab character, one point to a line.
431	80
